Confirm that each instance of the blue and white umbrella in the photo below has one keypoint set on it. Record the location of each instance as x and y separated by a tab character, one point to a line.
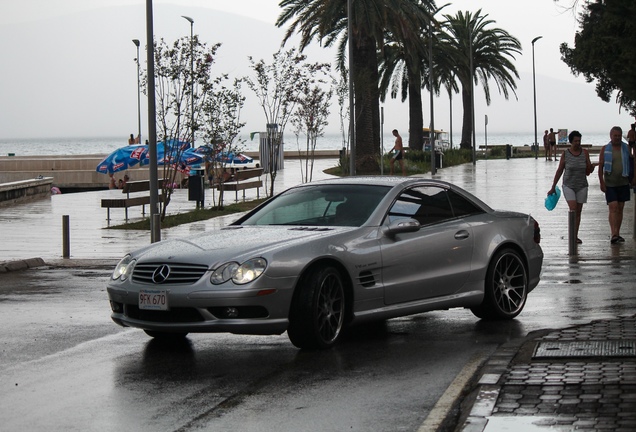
176	153
224	157
123	158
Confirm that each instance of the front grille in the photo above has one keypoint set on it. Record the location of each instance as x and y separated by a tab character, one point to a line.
174	315
182	274
240	312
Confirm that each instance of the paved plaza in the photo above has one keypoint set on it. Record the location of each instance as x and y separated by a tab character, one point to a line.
585	380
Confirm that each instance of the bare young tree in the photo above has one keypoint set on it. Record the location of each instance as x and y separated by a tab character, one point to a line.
179	86
310	118
277	87
221	126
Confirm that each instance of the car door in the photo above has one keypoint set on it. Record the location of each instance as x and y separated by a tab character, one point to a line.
433	261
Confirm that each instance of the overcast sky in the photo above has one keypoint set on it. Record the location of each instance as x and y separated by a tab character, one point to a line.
67	66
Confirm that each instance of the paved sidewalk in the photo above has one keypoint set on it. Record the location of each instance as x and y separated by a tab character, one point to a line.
580	378
563	379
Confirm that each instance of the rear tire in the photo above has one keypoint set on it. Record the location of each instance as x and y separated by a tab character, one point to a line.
318	309
506	287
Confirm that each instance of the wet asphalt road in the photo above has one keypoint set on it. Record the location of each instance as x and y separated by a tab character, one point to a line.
66	366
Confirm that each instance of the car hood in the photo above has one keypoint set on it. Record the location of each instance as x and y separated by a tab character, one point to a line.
235	243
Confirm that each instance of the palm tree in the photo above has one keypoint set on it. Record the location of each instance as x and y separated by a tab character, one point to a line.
404	68
493	51
326	20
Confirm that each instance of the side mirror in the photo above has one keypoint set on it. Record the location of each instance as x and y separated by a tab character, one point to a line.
400	226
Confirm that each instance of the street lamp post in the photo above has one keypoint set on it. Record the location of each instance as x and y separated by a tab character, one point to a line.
472	93
191	74
352	109
431	133
534	90
136	42
155	220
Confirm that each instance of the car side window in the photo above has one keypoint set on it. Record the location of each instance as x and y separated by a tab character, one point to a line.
426	204
461	206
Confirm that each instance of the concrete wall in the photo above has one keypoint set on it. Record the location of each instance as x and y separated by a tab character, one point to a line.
23	190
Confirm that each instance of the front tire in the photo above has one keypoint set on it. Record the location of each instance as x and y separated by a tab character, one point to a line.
317	314
165	335
506	287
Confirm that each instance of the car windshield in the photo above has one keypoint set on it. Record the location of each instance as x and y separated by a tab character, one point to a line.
320	205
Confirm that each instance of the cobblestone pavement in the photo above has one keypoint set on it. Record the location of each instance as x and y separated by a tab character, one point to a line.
580	378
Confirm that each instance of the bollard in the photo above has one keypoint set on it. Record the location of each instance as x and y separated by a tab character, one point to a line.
572	233
66	237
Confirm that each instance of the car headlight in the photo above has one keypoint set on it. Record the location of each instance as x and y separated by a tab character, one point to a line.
124	268
239	273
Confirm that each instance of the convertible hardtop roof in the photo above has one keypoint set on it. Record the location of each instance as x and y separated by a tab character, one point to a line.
383	181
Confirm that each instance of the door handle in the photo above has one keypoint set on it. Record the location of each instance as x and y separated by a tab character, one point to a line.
461	235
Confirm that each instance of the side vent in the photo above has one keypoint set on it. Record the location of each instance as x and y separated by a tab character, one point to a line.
366	279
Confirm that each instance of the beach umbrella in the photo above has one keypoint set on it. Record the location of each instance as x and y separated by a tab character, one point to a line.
225	157
182	160
123	158
233	158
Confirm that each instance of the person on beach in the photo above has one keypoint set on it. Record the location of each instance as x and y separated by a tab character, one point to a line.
546	144
131	140
552	141
613	175
576	164
111	183
399	152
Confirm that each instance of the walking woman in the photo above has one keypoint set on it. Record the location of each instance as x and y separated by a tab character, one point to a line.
576	164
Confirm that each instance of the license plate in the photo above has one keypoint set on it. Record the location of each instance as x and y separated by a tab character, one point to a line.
153	300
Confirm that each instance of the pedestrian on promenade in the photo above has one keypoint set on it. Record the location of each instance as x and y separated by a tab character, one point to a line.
399	152
546	144
613	175
631	139
576	164
552	141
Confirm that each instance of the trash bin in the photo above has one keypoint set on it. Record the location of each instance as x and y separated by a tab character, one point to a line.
196	190
438	159
508	151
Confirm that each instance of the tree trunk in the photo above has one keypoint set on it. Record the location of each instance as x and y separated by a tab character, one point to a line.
367	106
416	116
467	122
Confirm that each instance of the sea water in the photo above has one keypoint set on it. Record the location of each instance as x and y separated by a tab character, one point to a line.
106	145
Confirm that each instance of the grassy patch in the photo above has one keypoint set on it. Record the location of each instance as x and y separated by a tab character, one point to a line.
193	216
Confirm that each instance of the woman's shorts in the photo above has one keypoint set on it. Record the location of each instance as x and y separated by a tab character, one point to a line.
579	196
618	193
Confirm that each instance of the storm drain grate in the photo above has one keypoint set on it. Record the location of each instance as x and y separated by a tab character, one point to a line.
611	348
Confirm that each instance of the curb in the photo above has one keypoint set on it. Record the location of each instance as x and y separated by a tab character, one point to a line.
24	264
11	266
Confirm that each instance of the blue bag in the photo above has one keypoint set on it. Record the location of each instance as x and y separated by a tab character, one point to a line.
552	200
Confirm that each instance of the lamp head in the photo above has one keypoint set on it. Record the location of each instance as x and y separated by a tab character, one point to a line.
188	18
536	39
136	42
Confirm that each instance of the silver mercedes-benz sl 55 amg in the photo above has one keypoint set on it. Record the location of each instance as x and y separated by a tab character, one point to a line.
329	254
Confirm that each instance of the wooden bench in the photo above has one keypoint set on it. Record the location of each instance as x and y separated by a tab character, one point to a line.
132	187
242	181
